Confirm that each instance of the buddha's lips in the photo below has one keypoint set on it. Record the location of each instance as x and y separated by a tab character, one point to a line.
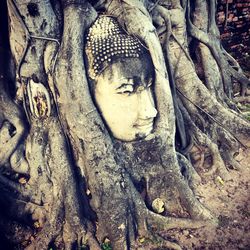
144	125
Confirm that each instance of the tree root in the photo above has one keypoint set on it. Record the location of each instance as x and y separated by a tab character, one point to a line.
162	223
120	208
16	232
245	99
152	240
45	237
203	140
18	162
92	241
10	115
217	162
192	176
211	40
16	189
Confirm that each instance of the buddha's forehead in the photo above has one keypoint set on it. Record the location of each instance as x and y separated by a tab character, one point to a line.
130	68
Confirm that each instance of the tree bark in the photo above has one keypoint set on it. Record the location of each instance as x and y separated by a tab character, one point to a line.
65	181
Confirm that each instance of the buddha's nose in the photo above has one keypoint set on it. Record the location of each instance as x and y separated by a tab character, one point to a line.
146	105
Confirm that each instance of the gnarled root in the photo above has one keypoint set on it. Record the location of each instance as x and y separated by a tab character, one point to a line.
12	127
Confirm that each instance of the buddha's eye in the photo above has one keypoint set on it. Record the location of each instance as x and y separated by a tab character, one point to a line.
125	89
127	92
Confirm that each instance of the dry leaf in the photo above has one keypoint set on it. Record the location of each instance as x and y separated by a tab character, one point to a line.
22	180
36	224
141	239
158	205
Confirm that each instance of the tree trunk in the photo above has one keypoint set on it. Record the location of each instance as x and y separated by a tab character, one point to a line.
66	182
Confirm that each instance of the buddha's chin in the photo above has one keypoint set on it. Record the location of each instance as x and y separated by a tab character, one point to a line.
144	133
135	135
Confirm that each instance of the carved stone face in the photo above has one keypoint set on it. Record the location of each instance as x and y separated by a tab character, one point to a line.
123	94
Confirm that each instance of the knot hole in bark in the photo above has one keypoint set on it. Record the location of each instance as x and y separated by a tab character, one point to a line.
33	9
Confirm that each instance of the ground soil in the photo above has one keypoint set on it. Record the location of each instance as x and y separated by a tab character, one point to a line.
229	201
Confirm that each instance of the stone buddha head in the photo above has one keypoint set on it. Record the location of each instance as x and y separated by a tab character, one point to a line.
121	75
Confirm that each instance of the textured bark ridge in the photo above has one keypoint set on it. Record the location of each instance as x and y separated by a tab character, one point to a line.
65	181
